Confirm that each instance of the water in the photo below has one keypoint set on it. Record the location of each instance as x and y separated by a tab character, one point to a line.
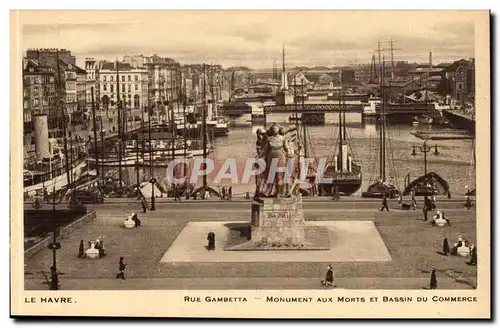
453	163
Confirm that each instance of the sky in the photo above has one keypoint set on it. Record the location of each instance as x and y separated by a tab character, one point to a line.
252	38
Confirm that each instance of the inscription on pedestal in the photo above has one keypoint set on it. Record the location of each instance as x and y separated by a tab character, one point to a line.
278	222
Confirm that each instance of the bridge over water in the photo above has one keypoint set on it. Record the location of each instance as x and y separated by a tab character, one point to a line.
312	108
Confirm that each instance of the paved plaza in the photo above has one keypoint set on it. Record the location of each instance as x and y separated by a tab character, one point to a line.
357	241
375	250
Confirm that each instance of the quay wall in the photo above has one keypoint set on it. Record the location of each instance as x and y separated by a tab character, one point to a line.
64	231
461	121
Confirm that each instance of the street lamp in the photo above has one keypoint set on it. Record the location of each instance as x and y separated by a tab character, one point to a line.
54	245
153	182
425	149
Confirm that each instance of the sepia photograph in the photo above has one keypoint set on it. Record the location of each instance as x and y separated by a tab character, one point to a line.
251	159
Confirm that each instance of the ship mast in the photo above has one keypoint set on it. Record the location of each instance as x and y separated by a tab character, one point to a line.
303	125
284	80
61	103
120	136
341	138
182	90
383	126
171	110
204	123
95	131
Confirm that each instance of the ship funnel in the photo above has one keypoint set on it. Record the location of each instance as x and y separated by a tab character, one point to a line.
42	148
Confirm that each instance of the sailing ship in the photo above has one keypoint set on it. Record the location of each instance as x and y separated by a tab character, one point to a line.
381	187
343	171
204	188
430	183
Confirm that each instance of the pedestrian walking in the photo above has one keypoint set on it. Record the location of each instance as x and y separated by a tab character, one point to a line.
384	204
81	250
230	193
446	247
136	220
468	203
433	284
176	194
329	278
121	269
433	202
211	241
144	206
427	202
473	255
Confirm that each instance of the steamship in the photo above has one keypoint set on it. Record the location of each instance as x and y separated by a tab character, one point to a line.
45	165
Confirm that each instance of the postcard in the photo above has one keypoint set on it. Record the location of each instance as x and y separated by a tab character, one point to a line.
250	164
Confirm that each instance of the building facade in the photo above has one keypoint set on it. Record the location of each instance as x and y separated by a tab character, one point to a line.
69	79
165	82
133	84
75	91
39	93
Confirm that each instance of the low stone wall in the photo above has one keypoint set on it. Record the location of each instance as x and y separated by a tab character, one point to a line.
30	252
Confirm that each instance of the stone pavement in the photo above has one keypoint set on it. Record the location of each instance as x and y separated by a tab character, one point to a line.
242	283
412	244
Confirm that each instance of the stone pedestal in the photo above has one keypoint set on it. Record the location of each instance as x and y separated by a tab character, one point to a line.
278	221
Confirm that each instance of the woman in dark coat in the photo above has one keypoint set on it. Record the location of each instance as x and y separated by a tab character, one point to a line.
81	250
434	283
473	256
121	269
446	247
329	276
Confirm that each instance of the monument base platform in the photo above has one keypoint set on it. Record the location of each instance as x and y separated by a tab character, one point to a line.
350	241
316	239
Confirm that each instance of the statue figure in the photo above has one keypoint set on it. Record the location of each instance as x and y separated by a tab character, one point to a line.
274	144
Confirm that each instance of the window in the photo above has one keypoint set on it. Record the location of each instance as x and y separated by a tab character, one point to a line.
111	78
105	87
123	87
129	78
136	86
123	78
136	77
104	78
112	88
128	88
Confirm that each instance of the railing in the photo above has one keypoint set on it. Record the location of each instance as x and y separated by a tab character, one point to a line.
312	108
